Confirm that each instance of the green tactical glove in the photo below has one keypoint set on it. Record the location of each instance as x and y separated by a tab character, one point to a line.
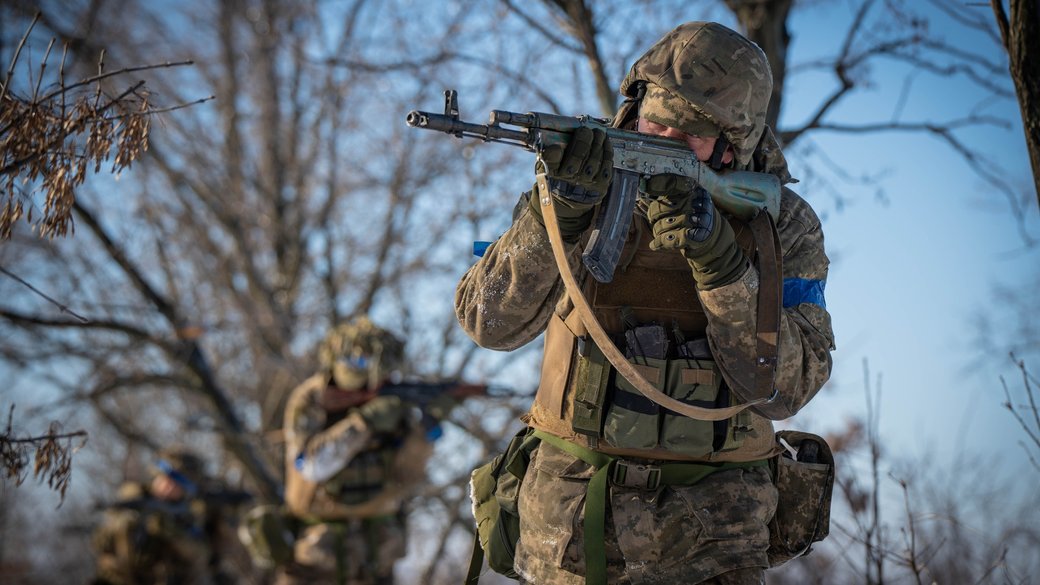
685	219
579	175
384	413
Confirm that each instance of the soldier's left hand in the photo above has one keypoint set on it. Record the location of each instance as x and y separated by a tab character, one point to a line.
579	175
684	218
587	161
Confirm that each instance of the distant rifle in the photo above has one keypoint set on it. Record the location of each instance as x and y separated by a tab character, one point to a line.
636	156
423	394
180	507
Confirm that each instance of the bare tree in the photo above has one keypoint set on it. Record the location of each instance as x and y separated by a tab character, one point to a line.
1027	413
897	520
293	201
894	31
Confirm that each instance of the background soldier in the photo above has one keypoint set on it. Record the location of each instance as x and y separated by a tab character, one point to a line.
354	456
169	531
688	501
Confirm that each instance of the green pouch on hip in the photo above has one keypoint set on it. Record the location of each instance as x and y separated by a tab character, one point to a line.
494	492
804	484
267	534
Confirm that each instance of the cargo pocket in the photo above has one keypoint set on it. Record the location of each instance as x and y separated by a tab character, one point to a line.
733	506
551	526
632	419
693	382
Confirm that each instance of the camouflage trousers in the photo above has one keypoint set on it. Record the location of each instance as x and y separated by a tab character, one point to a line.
715	531
356	552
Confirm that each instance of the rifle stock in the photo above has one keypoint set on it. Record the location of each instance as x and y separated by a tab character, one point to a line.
636	156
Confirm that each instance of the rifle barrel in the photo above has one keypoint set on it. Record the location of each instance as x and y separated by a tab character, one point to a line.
442	123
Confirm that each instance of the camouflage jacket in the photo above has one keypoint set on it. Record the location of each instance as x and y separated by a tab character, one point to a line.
507	298
361	463
144	540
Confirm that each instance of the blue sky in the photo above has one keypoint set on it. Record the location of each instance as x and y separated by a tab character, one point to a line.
913	269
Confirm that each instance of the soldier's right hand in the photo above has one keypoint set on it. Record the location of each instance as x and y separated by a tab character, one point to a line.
684	218
384	414
579	175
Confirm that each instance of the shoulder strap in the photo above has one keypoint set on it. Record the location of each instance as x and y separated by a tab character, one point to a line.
770	269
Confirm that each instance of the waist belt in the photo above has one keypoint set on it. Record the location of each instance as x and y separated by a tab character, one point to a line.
622	473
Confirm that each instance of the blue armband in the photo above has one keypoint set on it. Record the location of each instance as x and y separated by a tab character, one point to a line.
433	433
804	290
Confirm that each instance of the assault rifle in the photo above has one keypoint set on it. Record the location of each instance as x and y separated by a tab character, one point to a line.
179	512
425	394
636	156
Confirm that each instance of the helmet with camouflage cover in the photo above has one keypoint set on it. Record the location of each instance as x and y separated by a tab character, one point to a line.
360	354
703	78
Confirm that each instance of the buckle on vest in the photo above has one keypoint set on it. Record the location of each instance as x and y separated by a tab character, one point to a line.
640	476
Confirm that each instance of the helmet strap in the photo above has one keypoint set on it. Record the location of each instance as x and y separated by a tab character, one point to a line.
721	144
640	90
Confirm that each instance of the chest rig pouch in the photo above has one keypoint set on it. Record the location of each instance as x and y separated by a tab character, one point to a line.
608	409
367	473
362	479
653	289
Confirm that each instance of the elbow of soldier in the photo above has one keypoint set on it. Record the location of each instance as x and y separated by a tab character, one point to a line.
487	332
493	341
777	407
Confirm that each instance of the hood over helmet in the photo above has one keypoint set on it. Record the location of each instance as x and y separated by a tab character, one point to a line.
704	77
359	354
184	467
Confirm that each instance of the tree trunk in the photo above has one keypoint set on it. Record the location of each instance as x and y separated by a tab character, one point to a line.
581	18
1020	35
765	23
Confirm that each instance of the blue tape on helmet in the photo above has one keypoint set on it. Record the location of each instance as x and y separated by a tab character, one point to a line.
189	486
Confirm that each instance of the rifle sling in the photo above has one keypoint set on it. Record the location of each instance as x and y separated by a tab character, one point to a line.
769	310
767	327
